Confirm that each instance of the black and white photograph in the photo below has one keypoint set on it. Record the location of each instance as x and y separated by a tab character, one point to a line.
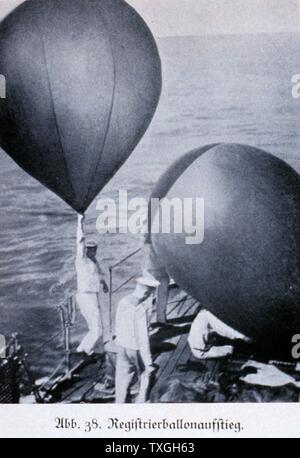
150	201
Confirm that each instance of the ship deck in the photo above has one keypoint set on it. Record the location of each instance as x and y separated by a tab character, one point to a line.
176	369
169	348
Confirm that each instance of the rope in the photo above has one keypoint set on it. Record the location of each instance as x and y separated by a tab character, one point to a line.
125	259
124	284
52	375
44	344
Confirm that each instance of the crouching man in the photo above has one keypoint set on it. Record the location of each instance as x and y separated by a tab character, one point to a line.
204	327
134	360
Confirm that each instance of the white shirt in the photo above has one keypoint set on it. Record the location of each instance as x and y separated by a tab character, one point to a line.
88	272
88	277
204	324
132	326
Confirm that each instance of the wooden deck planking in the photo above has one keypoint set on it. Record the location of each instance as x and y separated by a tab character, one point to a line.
181	307
169	361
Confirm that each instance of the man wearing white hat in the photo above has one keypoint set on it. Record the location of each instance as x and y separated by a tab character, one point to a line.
90	280
134	357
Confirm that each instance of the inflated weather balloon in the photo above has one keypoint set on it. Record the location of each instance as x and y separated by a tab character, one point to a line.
83	82
247	269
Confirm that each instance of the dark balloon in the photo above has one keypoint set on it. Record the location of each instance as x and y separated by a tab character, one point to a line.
247	269
167	180
83	82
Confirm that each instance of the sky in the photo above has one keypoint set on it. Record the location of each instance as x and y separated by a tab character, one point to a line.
197	17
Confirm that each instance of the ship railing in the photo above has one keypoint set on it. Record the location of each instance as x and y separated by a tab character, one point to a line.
13	359
115	289
9	368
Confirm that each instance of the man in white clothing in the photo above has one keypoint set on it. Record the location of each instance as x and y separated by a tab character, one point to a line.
206	324
262	374
132	337
90	280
